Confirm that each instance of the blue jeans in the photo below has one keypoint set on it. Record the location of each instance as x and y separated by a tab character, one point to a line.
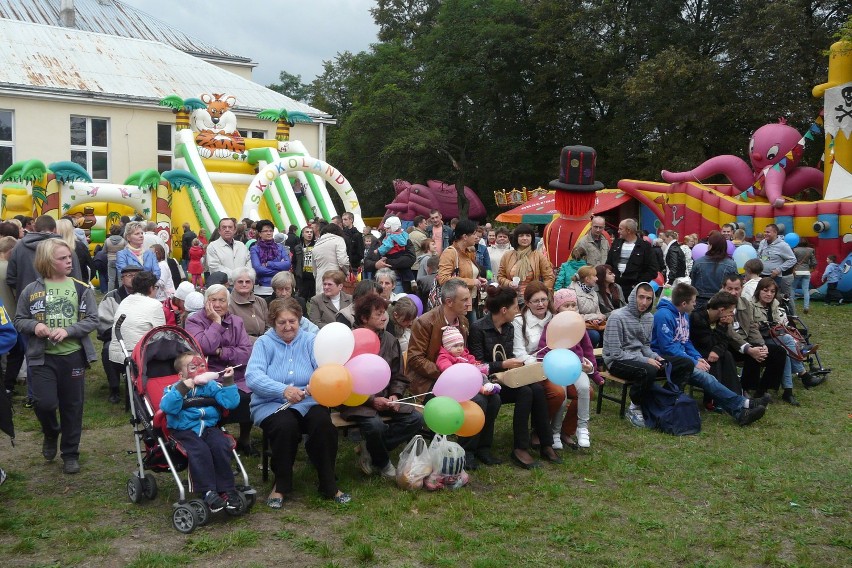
723	397
803	283
790	365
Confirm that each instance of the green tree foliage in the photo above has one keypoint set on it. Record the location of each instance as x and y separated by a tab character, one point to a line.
486	92
291	86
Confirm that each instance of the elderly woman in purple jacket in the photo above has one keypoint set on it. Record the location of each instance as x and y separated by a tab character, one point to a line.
268	258
224	341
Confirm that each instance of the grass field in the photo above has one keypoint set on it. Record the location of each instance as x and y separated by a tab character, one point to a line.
777	493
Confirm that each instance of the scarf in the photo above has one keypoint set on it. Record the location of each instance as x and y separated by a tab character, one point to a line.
267	251
139	253
584	288
523	262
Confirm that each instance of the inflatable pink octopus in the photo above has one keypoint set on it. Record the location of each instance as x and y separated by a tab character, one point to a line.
768	146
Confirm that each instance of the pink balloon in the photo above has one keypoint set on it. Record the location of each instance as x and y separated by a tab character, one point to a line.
731	248
370	373
366	341
699	250
460	382
565	330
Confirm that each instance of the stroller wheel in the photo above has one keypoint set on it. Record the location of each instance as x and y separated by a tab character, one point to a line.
184	519
134	489
149	487
241	509
249	493
201	511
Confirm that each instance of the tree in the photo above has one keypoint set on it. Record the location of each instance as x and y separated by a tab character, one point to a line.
291	85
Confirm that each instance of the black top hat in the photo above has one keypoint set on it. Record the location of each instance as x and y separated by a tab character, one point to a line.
577	170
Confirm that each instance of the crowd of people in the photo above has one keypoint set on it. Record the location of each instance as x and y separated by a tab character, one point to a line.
254	300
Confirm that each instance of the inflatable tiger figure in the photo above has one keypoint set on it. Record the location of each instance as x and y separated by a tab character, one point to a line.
216	126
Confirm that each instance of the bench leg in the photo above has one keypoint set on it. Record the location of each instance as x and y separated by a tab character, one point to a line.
624	388
264	457
600	398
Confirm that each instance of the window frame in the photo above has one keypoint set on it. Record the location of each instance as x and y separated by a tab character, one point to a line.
11	142
166	153
89	148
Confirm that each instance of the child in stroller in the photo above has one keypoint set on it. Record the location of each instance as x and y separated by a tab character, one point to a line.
192	407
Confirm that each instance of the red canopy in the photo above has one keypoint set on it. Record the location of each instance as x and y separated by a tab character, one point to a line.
542	209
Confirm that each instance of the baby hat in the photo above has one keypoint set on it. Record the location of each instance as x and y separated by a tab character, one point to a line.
393	223
451	336
562	296
194	302
184	290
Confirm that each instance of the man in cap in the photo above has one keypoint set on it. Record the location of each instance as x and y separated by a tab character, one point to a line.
106	318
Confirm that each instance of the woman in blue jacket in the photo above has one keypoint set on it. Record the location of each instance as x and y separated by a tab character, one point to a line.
268	258
134	253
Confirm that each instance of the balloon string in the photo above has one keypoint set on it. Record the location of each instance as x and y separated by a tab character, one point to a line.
408	403
415	396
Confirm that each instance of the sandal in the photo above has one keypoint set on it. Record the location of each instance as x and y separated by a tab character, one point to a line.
276	502
342	498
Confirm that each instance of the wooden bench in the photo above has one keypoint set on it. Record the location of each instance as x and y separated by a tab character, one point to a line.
622	399
339	423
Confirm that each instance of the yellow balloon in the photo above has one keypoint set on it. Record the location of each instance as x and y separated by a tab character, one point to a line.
356	399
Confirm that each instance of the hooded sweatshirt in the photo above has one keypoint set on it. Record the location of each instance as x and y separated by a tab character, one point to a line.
671	332
627	336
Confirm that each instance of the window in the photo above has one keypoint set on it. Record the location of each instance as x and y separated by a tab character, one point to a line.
165	146
90	145
7	140
255	134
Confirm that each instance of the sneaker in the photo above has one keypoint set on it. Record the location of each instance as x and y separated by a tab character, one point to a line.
2	476
232	500
749	415
114	398
635	417
583	437
557	442
71	466
49	447
365	461
414	287
389	471
790	399
28	402
214	501
763	400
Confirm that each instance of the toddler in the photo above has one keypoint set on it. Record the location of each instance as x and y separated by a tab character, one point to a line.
394	245
192	406
453	351
832	276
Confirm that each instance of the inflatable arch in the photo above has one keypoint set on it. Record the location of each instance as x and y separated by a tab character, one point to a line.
267	175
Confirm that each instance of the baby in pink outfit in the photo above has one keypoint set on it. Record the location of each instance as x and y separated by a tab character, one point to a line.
453	351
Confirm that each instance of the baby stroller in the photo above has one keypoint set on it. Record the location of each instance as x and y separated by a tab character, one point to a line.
809	353
149	371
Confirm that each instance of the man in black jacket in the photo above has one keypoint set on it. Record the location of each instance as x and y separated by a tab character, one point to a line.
186	244
675	259
354	241
632	258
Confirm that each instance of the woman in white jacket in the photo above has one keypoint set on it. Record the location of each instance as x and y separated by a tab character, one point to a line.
330	252
143	314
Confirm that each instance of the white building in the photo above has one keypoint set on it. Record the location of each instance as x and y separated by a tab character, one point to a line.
81	80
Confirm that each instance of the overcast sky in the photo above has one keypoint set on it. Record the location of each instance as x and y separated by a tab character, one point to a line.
291	35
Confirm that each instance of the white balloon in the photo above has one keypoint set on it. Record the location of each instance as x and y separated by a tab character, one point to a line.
334	344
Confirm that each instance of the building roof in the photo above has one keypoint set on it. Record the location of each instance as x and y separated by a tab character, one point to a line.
113	17
66	63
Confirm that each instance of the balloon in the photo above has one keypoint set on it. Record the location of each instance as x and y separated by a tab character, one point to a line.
356	399
366	341
459	382
565	330
791	239
654	286
743	254
331	384
417	302
731	248
443	415
370	373
699	250
334	344
562	366
474	419
653	237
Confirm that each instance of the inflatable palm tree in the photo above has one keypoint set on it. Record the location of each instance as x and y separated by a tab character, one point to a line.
181	108
284	119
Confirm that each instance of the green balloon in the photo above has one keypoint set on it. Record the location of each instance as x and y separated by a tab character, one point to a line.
443	415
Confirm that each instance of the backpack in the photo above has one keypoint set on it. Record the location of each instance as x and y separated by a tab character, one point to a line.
670	410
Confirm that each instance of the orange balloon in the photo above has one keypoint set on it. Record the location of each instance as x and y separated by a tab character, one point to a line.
565	330
331	384
474	419
356	399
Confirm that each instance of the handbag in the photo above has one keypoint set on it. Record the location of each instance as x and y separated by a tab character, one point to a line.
514	378
434	298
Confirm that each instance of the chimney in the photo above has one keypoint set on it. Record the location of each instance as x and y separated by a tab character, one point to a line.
67	14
